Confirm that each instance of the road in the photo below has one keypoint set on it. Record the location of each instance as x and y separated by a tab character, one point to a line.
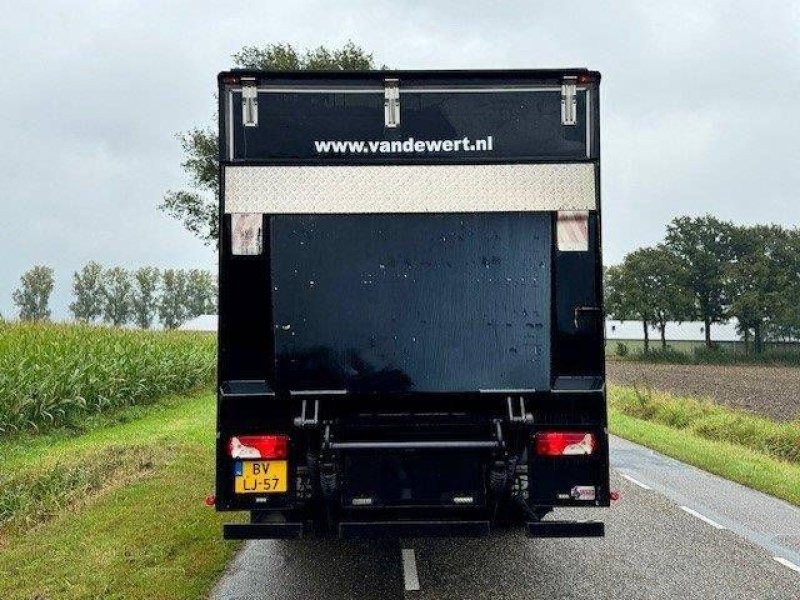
676	532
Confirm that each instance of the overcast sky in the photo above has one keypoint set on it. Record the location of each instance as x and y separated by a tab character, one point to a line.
699	108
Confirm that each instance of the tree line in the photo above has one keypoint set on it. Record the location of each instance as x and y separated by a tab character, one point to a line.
119	296
711	270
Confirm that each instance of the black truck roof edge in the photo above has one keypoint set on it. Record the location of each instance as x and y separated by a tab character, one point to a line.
555	73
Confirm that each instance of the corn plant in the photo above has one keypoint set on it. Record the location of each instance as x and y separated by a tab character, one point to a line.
53	375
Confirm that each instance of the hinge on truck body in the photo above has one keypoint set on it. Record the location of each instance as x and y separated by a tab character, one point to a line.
391	102
569	105
517	412
249	102
308	418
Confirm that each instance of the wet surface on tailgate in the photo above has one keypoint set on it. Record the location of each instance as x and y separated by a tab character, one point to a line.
394	303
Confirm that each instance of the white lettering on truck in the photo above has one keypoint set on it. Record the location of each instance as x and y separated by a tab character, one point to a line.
407	146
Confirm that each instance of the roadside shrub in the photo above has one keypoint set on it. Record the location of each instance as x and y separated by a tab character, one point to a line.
711	421
634	401
716	354
33	496
54	375
665	355
779	356
713	354
682	415
622	350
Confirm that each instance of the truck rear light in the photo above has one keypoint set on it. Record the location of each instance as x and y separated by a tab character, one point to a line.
259	446
564	443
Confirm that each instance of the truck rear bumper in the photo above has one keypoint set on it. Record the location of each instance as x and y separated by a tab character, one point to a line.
411	529
563	529
395	529
360	530
262	531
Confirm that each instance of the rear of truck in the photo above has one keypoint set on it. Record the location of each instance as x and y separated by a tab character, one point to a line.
410	311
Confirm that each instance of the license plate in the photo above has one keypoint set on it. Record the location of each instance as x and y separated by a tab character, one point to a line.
260	477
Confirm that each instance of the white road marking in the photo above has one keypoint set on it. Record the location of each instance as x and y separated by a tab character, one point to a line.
636	482
787	563
410	577
694	513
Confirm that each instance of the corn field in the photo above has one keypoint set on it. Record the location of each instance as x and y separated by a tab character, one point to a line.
53	375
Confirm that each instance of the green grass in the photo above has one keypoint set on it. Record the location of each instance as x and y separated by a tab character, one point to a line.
139	529
704	418
750	450
60	375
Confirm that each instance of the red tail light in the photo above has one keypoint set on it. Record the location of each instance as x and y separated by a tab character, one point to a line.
259	446
565	443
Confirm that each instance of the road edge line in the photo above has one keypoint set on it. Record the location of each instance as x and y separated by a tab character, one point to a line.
634	481
787	563
703	518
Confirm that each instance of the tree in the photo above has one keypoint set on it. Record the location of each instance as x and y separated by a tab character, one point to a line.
657	273
201	293
284	57
144	299
172	305
703	249
33	296
117	295
645	287
87	286
196	207
790	320
625	300
761	277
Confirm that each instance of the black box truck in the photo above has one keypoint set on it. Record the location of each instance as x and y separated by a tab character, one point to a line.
410	309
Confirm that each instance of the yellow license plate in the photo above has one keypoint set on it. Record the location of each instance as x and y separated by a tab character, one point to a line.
260	477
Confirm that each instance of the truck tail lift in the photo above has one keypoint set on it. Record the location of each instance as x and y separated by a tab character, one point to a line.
410	311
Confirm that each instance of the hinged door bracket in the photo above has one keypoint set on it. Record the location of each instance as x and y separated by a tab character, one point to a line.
308	417
517	412
249	102
569	105
391	102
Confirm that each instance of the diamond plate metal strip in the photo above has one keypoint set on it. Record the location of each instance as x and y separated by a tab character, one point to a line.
410	188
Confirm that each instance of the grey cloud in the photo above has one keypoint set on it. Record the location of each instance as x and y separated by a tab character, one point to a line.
698	107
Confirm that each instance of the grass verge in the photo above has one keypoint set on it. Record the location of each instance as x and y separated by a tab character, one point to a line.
130	532
750	450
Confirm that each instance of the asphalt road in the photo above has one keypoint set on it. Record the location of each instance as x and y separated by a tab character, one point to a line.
677	532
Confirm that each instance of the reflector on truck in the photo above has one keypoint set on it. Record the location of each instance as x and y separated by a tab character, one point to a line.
572	230
246	234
